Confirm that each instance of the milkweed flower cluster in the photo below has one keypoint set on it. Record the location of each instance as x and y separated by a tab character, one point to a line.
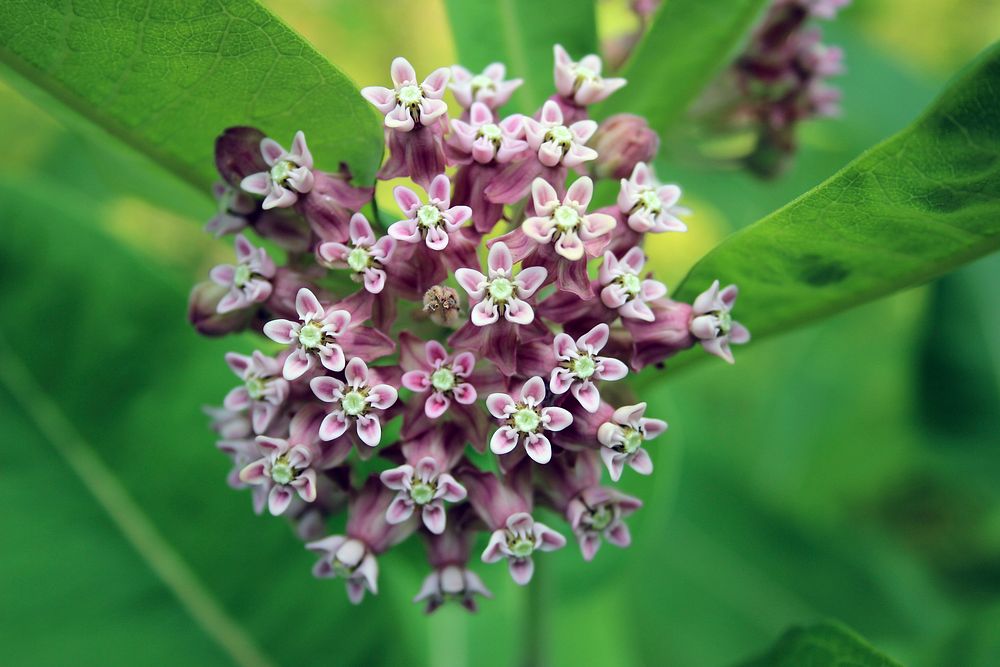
478	376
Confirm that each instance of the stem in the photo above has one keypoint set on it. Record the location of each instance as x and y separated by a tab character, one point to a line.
532	631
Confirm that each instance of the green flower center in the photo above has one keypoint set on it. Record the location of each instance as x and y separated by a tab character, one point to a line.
585	74
353	403
649	200
282	471
428	216
310	335
358	259
480	82
566	218
490	131
410	95
521	547
443	379
341	570
725	322
632	441
527	420
631	283
600	517
501	289
255	387
421	493
281	171
560	134
242	275
584	367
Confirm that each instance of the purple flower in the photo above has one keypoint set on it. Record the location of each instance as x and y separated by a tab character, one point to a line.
408	103
578	366
566	224
233	207
484	139
263	389
650	207
425	486
445	379
517	541
526	420
501	293
366	255
287	466
597	512
488	88
314	337
451	582
433	222
557	144
248	281
712	321
290	173
581	82
624	289
349	559
622	438
357	401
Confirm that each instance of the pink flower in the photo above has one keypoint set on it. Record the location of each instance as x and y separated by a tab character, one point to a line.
501	293
350	559
366	256
233	207
578	366
650	207
597	512
526	420
408	103
624	289
357	401
517	541
432	222
443	379
557	144
486	140
425	486
287	464
263	389
315	337
712	321
573	232
581	82
248	281
290	173
622	438
452	582
487	88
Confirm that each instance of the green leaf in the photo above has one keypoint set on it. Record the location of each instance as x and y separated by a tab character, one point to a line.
688	43
822	645
918	205
167	77
521	34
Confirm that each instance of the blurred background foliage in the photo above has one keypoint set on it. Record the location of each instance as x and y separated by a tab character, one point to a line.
848	470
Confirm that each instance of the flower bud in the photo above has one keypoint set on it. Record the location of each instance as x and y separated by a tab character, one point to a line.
237	154
203	311
621	142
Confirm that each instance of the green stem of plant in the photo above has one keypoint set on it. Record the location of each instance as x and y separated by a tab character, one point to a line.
533	618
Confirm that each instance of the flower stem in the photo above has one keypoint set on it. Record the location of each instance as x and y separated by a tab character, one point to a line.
533	631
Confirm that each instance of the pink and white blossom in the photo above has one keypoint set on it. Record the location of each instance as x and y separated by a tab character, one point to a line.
313	338
525	420
444	378
451	582
502	293
408	103
596	513
431	223
650	207
358	401
579	366
621	440
425	486
517	541
290	173
349	559
557	144
624	289
484	139
488	88
573	232
249	280
712	321
365	255
288	465
581	81
263	389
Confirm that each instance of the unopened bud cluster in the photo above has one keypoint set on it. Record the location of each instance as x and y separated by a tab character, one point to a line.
419	343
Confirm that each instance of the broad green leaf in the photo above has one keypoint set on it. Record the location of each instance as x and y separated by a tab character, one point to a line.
822	645
520	34
688	43
166	77
918	205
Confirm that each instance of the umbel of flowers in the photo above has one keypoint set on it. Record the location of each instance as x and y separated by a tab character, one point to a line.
482	371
